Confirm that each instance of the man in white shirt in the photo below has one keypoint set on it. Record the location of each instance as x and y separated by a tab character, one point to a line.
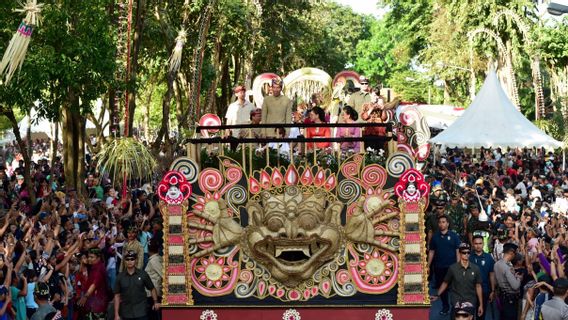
522	187
239	111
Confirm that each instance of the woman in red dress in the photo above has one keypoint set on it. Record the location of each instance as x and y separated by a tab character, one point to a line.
317	115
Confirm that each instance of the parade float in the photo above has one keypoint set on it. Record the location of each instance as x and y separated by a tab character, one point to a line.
298	239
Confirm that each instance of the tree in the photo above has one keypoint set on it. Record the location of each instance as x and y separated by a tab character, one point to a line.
66	69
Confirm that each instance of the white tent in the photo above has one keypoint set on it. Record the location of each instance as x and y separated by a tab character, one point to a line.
42	128
492	121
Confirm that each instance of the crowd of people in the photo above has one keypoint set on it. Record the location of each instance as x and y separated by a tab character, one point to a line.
73	256
496	233
496	225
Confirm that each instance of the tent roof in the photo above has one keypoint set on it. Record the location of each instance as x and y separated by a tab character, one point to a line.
493	121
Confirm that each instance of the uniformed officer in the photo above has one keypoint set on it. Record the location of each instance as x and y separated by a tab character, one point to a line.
464	280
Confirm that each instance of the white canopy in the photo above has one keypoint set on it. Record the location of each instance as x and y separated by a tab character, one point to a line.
42	128
492	121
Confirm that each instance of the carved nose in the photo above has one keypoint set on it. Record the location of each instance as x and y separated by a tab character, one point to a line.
291	231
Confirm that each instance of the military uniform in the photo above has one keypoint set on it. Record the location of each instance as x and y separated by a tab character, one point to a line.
358	99
456	214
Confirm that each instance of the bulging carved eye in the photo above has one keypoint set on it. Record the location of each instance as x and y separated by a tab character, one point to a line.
274	224
307	222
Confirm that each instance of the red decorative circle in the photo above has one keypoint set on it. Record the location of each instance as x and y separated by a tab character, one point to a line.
210	119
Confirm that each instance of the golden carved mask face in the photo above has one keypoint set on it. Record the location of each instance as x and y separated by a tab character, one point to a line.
294	233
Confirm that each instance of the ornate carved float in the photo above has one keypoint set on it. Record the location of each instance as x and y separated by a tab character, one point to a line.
349	243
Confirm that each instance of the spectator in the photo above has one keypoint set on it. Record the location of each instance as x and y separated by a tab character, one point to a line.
41	295
556	308
96	286
154	270
133	245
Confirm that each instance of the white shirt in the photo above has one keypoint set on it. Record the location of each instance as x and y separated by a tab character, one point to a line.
521	186
238	114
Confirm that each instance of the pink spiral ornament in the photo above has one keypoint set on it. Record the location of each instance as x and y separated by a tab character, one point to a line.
246	276
374	175
351	168
342	276
210	179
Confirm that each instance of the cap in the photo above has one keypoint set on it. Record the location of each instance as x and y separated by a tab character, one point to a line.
42	289
560	283
256	111
130	254
464	246
363	79
465	308
43	215
439	202
20	177
277	82
473	205
437	188
239	88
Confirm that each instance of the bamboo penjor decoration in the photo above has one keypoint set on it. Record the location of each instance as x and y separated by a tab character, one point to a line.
16	51
175	59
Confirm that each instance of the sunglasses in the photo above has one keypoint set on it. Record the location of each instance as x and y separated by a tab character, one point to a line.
464	252
129	259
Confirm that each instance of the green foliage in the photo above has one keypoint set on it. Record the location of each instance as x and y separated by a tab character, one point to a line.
555	126
72	51
126	157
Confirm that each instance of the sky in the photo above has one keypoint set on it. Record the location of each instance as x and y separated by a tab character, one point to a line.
363	6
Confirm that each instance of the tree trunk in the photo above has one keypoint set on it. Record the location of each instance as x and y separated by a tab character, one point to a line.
166	103
147	112
68	150
225	90
218	66
447	97
54	145
9	113
74	145
140	15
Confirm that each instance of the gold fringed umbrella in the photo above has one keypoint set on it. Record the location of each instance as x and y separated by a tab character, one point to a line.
16	51
175	59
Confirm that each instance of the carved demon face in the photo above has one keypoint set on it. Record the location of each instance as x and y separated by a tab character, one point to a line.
294	233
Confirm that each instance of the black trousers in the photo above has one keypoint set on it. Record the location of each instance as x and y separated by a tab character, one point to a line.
439	275
485	306
509	307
